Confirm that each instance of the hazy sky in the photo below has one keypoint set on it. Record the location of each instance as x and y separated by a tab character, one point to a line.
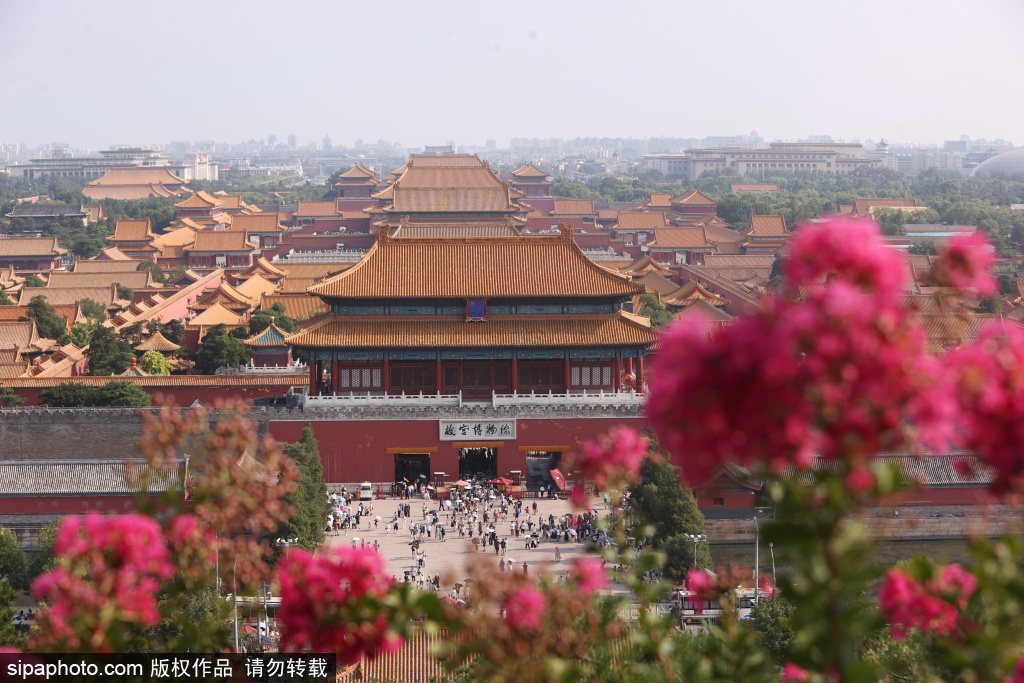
138	72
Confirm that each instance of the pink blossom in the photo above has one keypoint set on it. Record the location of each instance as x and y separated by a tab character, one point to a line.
860	480
590	575
1018	672
933	606
524	608
768	589
965	264
332	602
701	583
791	673
614	460
841	371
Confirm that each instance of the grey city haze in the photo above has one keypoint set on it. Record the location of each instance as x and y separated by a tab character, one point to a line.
110	72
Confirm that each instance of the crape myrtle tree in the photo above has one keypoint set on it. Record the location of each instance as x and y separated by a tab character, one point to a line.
844	364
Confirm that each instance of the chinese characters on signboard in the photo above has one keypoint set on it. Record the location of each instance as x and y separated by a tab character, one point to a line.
471	430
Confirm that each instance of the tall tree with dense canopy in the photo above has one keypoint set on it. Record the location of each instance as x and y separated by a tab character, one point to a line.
310	495
220	349
48	323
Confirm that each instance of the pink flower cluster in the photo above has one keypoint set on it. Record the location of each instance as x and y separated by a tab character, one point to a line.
524	608
933	606
990	375
965	265
791	673
589	574
111	568
614	461
838	371
332	602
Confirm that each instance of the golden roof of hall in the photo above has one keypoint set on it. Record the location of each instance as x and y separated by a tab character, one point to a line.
768	226
30	246
435	231
573	207
864	207
317	209
221	240
134	279
257	222
506	267
640	220
514	331
263	267
690	292
201	200
680	238
138	175
132	230
449	183
216	315
110	259
184	222
644	264
255	287
693	197
296	306
67	296
657	284
356	176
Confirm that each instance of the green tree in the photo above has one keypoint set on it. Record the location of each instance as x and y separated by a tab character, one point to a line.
34	280
662	500
775	279
891	220
49	324
310	495
124	293
108	355
653	309
770	618
155	269
5	300
173	331
219	349
121	393
12	559
43	559
8	636
154	363
9	399
261	319
93	310
67	395
925	248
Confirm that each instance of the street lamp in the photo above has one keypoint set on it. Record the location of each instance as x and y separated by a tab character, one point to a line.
696	539
757	555
771	547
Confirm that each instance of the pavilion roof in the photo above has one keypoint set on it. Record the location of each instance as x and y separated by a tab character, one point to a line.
176	238
358	171
200	200
255	287
863	207
317	209
707	310
454	332
134	370
692	291
157	342
263	267
271	337
135	279
31	246
224	295
18	335
72	313
66	296
475	268
184	222
645	263
694	197
660	200
257	222
528	170
216	315
656	283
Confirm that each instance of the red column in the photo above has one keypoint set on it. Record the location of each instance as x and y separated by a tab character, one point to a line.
437	375
616	373
387	376
565	371
319	375
334	376
312	377
515	375
640	373
629	366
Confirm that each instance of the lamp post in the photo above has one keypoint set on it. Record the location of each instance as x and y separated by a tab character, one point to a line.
757	555
771	548
696	538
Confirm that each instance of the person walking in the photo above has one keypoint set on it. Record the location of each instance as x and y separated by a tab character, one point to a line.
558	554
525	572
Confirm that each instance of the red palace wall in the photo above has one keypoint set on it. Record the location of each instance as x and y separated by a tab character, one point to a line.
184	396
358	450
65	505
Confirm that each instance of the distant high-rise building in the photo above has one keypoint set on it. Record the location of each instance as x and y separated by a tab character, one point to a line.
327	142
271	141
293	141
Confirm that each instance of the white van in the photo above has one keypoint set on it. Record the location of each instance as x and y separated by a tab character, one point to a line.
366	491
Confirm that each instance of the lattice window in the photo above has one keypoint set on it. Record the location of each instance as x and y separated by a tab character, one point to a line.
585	381
346	380
355	379
376	377
606	376
575	377
367	378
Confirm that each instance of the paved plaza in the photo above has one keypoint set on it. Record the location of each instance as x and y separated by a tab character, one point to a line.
448	558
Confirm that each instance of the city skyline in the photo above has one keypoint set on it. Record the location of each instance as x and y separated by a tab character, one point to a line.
427	74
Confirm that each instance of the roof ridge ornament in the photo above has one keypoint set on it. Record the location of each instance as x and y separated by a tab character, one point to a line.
384	234
566	231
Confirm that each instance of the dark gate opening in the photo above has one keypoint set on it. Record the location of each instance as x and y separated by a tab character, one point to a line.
409	467
478	462
538	469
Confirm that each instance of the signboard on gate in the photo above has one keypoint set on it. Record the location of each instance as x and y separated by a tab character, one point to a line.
461	430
